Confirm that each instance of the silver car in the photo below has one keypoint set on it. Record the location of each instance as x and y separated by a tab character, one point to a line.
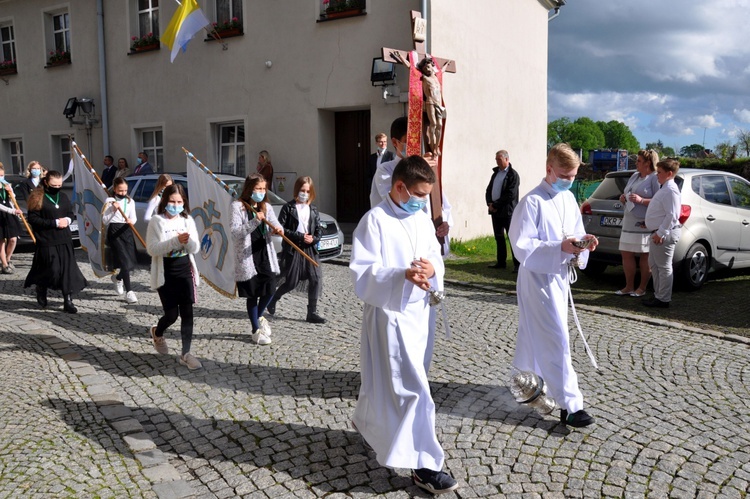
140	188
715	216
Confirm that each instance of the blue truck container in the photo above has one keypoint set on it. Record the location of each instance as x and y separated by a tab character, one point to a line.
605	160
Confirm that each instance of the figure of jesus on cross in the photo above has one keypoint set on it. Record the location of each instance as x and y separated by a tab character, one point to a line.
427	97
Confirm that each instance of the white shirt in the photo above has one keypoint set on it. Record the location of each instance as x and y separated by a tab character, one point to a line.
303	215
664	209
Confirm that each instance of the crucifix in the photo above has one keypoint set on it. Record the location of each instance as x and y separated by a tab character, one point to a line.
425	96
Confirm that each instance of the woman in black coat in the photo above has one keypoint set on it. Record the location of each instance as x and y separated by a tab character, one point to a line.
301	223
54	265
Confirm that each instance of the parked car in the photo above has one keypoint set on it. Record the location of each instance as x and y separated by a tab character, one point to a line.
24	241
715	218
140	188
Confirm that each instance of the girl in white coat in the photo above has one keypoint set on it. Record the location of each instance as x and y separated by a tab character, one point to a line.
172	240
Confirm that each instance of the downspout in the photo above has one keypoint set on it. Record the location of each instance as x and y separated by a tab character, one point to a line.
102	75
560	3
429	30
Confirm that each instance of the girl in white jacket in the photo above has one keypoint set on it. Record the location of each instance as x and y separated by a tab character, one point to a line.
172	240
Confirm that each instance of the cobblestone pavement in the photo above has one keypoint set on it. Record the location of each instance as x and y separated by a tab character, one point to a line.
87	407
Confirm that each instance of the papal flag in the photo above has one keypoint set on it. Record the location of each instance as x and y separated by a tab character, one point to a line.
188	20
89	200
211	207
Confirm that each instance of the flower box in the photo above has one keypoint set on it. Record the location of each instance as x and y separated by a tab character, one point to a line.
146	48
343	13
8	71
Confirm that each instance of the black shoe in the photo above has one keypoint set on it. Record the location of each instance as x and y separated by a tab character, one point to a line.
314	318
655	303
434	482
41	296
578	419
68	305
271	308
496	266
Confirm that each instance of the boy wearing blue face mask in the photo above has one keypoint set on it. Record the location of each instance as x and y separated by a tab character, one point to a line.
544	226
395	261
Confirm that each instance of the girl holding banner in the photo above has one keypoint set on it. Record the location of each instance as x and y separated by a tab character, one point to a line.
301	223
10	228
256	265
120	237
54	265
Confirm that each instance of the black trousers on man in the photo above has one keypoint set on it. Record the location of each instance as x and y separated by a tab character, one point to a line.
501	226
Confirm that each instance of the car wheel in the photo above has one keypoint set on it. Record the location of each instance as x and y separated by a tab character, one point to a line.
695	267
594	269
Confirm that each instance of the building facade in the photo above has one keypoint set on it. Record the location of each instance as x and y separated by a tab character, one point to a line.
290	78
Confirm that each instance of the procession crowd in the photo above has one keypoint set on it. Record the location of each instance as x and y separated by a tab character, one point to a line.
396	266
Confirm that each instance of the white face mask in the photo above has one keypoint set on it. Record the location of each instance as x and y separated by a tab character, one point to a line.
303	197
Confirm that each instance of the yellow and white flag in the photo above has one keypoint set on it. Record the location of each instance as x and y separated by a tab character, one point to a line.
187	21
211	208
89	196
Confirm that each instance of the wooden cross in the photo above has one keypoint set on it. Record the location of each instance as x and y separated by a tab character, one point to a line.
419	31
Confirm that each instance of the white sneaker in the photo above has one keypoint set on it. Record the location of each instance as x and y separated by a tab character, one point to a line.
131	298
189	361
259	337
118	285
265	326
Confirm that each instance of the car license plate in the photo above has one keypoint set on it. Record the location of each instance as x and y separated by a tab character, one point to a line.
611	222
74	227
325	244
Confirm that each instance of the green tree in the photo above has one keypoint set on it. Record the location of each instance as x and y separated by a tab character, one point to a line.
661	149
585	135
726	150
617	135
667	152
743	141
691	151
557	131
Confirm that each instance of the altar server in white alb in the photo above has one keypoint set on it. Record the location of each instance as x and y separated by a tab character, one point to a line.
544	226
395	260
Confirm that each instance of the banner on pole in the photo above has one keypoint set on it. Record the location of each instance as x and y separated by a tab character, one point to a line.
211	208
89	199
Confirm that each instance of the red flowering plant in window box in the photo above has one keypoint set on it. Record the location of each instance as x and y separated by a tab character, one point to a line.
8	67
232	27
58	57
149	41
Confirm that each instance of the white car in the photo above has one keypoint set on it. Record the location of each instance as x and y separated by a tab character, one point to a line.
141	187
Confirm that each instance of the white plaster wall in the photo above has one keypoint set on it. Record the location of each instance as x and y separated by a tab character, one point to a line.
496	100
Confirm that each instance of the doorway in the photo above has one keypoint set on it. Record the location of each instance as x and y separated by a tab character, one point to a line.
352	134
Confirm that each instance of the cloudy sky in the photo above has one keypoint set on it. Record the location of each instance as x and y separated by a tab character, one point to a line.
669	69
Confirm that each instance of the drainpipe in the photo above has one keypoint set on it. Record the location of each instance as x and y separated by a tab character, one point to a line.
560	3
429	29
102	76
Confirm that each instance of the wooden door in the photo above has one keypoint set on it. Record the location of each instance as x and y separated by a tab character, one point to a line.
352	131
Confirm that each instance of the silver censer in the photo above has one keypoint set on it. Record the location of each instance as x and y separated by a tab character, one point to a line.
529	389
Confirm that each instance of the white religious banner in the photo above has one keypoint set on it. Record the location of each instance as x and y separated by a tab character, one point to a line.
210	203
89	196
283	184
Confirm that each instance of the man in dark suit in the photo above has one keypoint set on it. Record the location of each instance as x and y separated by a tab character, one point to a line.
502	197
383	155
108	174
144	167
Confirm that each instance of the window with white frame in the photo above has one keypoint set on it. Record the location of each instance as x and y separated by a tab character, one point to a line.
152	143
64	148
15	147
61	31
228	10
148	17
7	44
232	148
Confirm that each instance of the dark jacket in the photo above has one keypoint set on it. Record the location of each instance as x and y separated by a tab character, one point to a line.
25	188
142	169
372	164
108	175
289	221
43	222
508	194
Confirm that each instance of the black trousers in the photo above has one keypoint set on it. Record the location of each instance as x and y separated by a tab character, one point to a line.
501	226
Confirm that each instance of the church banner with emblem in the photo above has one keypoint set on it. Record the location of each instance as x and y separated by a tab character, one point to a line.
210	204
89	198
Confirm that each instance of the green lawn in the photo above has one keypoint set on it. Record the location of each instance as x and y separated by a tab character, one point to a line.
720	305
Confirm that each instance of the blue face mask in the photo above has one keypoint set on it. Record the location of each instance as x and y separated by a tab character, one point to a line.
36	173
561	185
174	209
414	204
140	161
258	196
